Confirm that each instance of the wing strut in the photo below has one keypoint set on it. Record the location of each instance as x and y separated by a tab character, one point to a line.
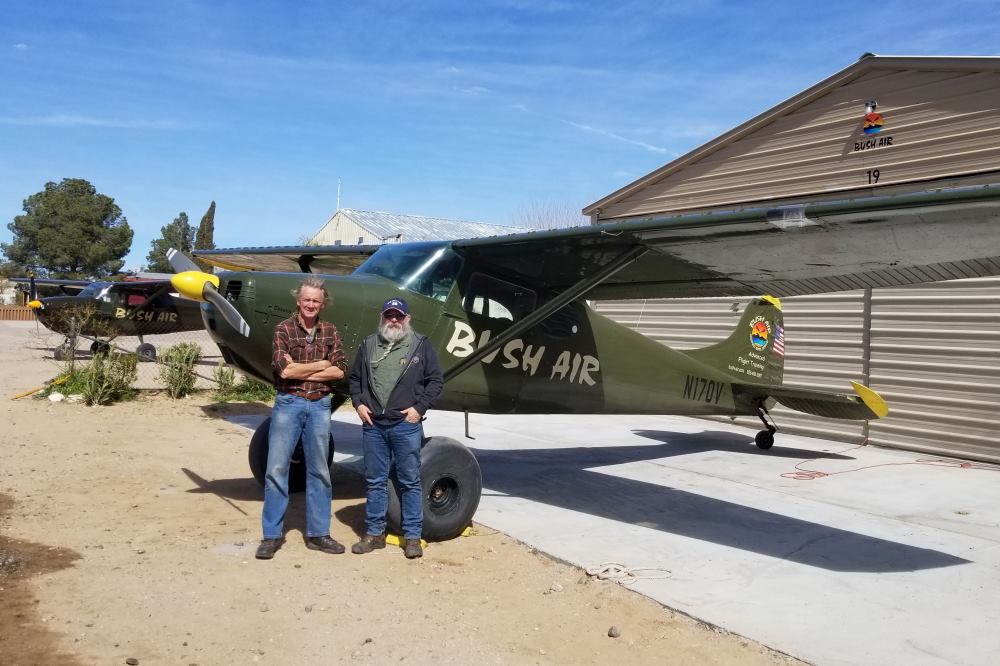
561	299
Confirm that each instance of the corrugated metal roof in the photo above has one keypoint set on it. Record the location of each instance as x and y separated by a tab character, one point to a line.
420	228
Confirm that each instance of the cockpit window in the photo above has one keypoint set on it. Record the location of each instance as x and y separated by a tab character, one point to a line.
424	268
95	290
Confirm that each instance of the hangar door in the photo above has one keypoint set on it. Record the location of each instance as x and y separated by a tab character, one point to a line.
932	351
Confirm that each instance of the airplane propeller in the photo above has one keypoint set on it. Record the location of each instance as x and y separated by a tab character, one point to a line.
180	262
198	285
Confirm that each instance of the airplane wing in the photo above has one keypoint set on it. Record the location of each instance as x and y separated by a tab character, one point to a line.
326	259
65	286
869	242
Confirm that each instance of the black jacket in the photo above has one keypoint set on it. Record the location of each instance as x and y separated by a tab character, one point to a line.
419	385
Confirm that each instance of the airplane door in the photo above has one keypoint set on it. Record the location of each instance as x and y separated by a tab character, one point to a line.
472	316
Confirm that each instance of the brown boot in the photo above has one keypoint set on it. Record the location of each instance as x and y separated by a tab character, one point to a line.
412	549
368	543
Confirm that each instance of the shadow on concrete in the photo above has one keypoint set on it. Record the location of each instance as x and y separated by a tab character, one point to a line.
562	477
703	442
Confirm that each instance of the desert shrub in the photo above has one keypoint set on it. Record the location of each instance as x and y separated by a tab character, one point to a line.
225	378
107	378
247	390
177	368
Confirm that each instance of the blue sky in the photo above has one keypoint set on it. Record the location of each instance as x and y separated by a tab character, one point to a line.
463	110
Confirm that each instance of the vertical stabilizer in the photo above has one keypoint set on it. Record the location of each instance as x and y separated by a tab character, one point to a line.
755	351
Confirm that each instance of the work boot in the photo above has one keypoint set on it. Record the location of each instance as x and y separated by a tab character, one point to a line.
267	548
368	543
325	544
413	549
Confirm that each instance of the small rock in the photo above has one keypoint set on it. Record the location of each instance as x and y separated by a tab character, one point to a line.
613	632
132	661
55	396
369	640
555	587
309	608
264	608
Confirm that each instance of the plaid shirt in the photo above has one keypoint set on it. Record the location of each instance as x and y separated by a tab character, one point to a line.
290	338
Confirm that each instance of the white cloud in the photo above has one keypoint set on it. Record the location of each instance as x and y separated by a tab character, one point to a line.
20	46
67	120
611	135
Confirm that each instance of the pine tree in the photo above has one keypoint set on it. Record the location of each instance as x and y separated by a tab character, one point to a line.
178	235
205	239
68	230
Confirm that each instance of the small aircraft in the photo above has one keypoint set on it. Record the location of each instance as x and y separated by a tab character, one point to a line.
508	317
102	311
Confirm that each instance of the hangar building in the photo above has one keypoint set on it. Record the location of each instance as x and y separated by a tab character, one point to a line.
886	125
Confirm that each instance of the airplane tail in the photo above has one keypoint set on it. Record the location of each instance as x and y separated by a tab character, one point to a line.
755	351
754	356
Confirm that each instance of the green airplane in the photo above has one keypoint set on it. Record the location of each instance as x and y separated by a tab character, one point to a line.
515	335
101	311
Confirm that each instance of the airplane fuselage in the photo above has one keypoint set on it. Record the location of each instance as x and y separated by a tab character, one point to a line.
576	361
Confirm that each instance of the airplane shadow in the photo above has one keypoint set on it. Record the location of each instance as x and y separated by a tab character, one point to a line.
703	442
562	477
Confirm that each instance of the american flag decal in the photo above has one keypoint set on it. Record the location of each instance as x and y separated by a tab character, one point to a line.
779	341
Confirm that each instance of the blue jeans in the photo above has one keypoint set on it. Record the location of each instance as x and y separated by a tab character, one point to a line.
291	418
382	445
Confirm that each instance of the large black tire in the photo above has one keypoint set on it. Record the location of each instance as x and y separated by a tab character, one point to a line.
452	485
296	473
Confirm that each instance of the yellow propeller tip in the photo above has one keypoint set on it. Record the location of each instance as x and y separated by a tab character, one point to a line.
35	305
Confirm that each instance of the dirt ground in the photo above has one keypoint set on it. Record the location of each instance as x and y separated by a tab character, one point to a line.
127	532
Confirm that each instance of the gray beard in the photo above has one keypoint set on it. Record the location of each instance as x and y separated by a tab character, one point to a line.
394	334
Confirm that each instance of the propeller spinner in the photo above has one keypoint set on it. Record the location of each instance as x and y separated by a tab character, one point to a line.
200	286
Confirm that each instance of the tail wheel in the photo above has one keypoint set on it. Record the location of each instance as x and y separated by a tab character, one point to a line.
297	470
764	439
452	485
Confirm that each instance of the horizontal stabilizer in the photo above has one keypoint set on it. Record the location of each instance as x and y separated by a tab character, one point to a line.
866	404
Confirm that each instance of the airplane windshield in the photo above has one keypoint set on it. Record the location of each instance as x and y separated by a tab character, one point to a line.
424	268
94	289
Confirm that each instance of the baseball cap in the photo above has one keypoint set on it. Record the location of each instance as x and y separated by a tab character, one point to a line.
395	304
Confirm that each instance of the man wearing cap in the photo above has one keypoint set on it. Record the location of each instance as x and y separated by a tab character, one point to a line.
395	379
307	357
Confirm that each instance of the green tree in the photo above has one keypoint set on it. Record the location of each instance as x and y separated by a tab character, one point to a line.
178	235
70	231
205	238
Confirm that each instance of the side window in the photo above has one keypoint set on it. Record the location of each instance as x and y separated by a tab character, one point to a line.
497	299
135	299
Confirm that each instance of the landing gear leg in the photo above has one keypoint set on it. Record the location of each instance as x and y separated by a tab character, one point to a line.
765	438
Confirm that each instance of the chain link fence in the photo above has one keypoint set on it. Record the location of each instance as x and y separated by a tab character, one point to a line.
148	372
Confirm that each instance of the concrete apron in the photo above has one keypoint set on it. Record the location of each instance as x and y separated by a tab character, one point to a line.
832	553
